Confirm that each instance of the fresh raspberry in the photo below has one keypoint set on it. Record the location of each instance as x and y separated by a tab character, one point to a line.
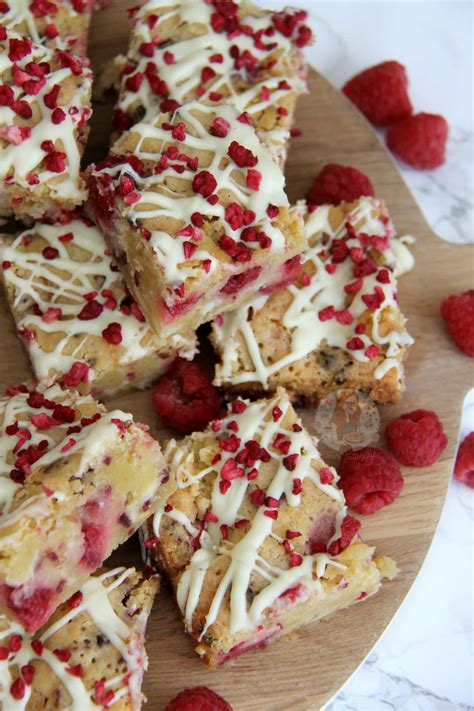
417	438
419	140
464	467
338	183
380	93
185	397
458	312
198	699
370	479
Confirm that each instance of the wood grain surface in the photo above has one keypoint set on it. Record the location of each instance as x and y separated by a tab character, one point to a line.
303	673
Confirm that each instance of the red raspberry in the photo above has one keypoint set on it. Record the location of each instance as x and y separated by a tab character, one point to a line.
458	312
185	397
380	93
349	529
417	438
464	467
338	183
370	479
419	140
198	699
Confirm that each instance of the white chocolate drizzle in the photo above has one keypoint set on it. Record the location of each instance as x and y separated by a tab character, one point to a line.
126	639
89	442
255	423
155	198
321	291
21	158
19	14
81	267
193	55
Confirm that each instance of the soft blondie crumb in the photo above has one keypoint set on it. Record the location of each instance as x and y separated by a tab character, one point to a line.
257	540
74	313
76	481
91	653
339	326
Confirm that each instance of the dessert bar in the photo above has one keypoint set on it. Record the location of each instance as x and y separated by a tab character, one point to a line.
256	539
45	106
338	326
76	481
90	655
214	51
74	314
59	24
195	211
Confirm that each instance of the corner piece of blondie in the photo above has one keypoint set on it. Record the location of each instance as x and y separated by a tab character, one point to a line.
72	310
339	326
76	481
90	655
45	99
194	208
245	55
256	539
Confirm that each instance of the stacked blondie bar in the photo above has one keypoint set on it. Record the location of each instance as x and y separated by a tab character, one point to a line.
186	222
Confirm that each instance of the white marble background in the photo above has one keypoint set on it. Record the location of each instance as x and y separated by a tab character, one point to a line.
425	660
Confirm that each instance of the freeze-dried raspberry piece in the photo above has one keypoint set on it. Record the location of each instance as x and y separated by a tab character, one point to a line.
464	467
198	699
416	439
370	479
380	93
349	529
338	183
185	397
419	140
458	312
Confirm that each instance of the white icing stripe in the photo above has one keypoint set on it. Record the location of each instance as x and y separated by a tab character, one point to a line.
63	283
255	423
22	156
325	290
124	639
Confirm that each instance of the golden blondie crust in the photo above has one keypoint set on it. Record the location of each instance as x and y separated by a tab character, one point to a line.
256	539
91	653
338	326
72	310
239	53
58	24
195	211
45	97
76	481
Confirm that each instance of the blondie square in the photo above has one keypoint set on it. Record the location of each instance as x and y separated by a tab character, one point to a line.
194	208
59	24
76	481
234	52
90	655
339	326
257	540
45	106
74	314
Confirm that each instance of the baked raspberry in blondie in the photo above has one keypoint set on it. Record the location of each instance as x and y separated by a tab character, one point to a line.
75	482
215	52
194	208
339	326
59	24
45	106
74	313
90	655
256	539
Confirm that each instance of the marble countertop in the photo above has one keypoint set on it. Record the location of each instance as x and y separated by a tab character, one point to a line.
424	662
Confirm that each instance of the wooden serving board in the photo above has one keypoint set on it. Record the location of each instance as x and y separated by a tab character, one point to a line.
303	673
